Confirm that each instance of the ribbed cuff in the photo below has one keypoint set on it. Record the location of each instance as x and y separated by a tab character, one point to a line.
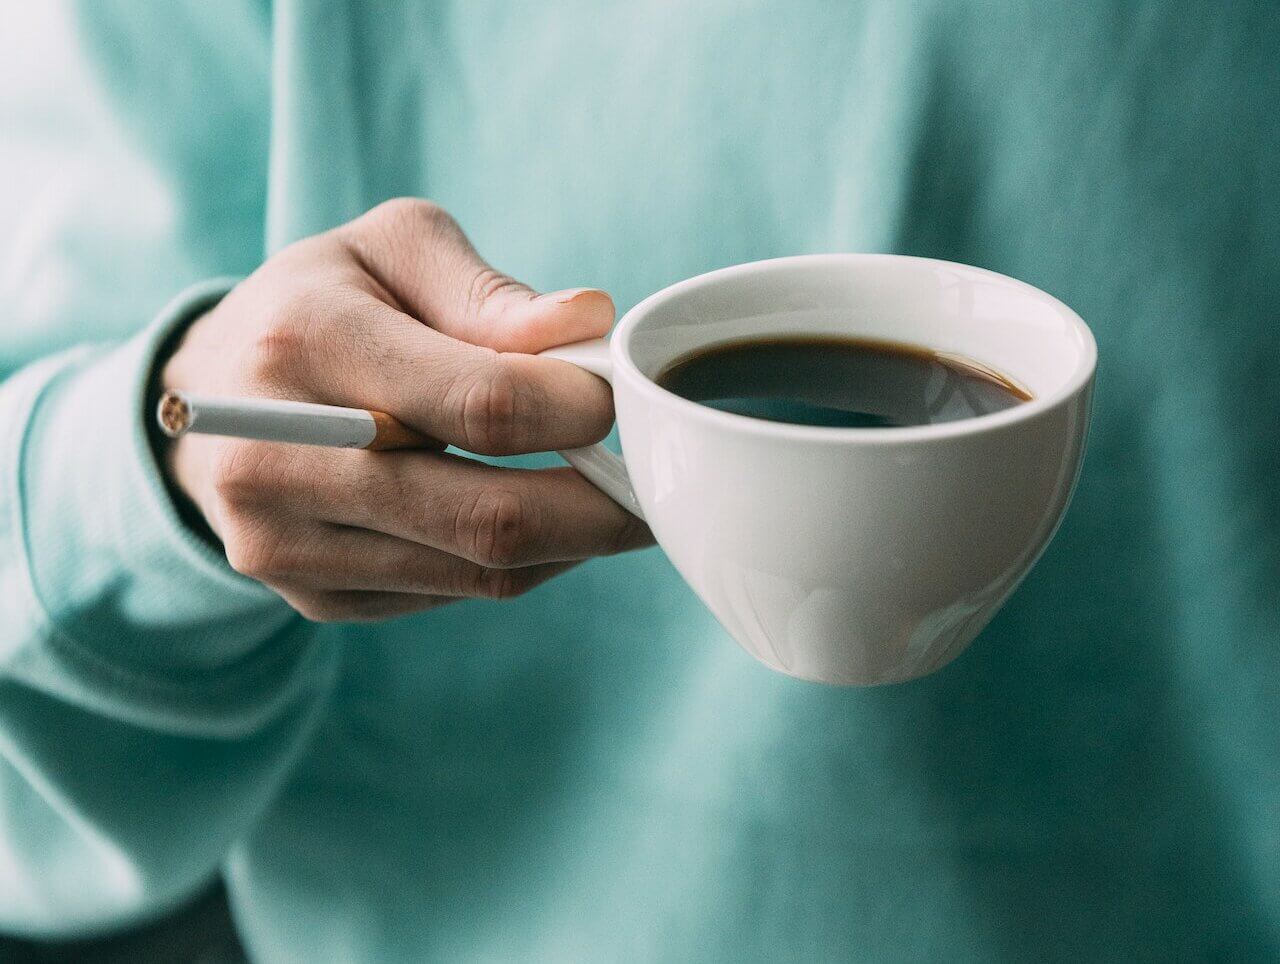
136	600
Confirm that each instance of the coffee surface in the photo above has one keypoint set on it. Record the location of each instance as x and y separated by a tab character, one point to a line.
840	382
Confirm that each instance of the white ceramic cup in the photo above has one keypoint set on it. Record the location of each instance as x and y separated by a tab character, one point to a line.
848	555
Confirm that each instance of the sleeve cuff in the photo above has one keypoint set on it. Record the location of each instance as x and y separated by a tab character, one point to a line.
129	591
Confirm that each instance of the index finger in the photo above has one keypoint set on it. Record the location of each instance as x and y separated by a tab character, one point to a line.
371	355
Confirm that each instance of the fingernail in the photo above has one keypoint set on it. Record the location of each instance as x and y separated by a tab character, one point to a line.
566	295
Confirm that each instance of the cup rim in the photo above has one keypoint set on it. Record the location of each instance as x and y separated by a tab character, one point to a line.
621	354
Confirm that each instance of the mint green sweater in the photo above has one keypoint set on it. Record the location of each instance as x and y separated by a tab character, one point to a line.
596	772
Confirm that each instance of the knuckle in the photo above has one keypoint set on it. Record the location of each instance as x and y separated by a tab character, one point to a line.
237	472
501	528
257	549
296	330
252	555
486	284
291	335
489	411
275	351
411	212
245	478
241	556
246	473
401	231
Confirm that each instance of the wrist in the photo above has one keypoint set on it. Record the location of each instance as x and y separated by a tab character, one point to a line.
126	588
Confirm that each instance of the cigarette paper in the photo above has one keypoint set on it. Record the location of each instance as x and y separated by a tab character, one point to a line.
278	420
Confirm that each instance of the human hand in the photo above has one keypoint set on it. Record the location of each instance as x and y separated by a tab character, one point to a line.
396	312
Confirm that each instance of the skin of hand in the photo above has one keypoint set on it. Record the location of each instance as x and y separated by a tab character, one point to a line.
395	311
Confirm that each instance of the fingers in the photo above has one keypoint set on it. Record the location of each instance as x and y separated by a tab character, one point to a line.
397	312
357	606
498	532
424	260
494	517
343	559
343	346
332	573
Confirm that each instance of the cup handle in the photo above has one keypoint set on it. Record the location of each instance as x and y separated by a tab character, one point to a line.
601	467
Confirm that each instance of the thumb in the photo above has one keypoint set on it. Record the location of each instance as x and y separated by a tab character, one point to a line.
421	255
516	318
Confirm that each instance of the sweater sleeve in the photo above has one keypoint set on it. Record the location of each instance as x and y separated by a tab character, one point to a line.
151	699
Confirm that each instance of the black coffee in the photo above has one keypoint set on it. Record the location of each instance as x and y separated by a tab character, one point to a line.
840	382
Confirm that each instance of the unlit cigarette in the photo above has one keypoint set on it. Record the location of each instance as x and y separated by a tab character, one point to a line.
277	420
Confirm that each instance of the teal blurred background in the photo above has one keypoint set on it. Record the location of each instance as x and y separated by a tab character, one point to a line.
597	772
